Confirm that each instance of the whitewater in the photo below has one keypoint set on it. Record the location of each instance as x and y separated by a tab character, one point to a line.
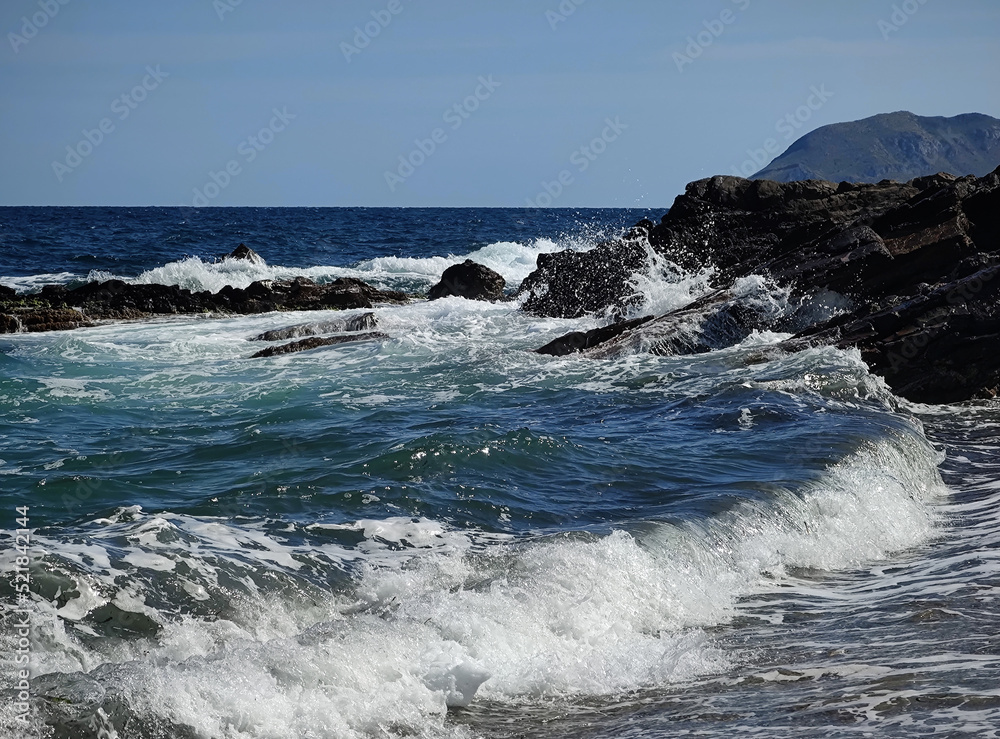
445	534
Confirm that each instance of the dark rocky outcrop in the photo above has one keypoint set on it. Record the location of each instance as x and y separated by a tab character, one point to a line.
56	308
906	272
469	280
578	341
41	319
246	254
361	322
570	284
940	345
314	342
714	321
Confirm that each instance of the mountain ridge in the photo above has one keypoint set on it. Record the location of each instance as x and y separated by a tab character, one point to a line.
897	146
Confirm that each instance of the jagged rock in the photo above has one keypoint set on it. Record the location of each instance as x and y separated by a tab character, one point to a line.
247	254
469	280
570	284
912	268
7	292
740	227
317	341
938	346
362	322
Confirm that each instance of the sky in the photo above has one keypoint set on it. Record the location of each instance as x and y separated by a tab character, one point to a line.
564	103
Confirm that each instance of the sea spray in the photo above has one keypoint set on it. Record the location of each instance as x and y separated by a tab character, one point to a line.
356	541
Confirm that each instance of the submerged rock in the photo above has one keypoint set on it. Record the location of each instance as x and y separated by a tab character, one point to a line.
579	341
69	702
908	272
362	322
469	280
315	342
714	321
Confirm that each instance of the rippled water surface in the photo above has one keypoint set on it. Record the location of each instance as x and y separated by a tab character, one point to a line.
445	534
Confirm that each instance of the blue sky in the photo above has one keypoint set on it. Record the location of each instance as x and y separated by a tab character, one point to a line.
454	102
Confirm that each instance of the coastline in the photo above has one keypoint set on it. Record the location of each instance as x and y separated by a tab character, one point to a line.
905	272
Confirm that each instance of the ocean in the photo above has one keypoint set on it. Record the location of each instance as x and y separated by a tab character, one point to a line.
444	534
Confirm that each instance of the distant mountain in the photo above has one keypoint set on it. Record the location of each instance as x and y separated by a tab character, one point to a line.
891	146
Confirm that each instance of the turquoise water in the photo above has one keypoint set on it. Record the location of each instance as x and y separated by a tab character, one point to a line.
445	534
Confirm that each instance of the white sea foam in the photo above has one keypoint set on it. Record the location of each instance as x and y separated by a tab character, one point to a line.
511	259
34	283
432	615
664	286
438	615
68	389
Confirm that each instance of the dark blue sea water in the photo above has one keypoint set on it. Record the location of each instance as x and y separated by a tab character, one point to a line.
445	534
